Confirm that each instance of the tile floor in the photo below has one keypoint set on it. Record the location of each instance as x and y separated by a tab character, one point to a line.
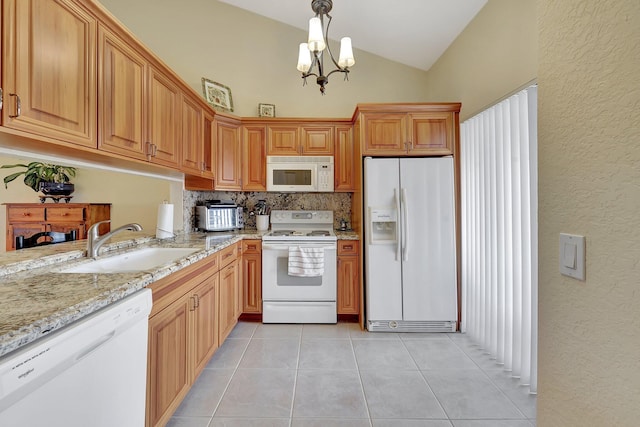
338	375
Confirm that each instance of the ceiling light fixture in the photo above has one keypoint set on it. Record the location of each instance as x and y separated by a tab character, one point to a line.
310	53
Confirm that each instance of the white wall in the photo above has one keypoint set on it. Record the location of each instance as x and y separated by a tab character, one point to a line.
256	57
495	55
586	57
133	198
589	169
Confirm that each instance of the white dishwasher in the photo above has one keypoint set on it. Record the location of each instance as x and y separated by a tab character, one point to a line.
91	373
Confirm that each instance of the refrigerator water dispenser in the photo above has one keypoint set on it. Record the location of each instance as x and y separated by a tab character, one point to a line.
384	225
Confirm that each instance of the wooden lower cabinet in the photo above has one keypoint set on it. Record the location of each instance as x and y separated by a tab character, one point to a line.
204	322
252	276
193	311
168	376
229	294
348	277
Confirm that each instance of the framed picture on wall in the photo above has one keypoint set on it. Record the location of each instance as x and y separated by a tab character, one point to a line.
266	110
217	95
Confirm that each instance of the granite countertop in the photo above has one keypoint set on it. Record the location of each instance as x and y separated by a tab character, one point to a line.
36	298
347	235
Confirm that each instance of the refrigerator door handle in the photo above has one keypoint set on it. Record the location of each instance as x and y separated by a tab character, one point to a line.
405	225
396	202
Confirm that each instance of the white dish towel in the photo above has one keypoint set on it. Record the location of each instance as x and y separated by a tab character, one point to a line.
306	262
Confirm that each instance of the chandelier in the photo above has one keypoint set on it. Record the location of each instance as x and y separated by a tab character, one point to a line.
310	53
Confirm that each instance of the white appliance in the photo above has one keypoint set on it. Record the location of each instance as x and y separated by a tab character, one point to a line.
219	215
300	173
293	299
91	373
410	256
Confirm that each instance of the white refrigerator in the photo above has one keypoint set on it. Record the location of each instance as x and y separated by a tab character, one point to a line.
410	252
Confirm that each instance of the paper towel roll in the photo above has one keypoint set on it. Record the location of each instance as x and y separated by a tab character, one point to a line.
164	227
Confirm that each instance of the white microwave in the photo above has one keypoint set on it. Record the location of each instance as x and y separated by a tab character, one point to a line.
300	173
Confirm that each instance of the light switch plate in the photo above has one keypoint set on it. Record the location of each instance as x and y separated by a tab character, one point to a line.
571	254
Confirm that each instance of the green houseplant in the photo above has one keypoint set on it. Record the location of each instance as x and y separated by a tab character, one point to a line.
48	178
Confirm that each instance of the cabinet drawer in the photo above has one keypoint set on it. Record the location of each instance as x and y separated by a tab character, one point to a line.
348	247
65	214
26	214
251	247
228	255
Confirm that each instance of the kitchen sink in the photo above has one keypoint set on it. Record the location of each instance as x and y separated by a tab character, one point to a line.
132	261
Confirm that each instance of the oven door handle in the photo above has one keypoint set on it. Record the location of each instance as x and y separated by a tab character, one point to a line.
283	246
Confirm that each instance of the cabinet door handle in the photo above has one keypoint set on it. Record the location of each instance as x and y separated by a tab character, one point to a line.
193	303
348	247
197	297
18	105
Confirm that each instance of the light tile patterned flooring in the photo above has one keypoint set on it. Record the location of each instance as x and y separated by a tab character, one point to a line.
340	376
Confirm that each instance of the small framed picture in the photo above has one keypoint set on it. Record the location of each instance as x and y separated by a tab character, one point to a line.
266	110
217	95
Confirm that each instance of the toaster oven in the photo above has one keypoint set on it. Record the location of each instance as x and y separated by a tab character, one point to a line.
219	215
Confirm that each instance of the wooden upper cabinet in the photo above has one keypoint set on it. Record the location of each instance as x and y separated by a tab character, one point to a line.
283	140
344	159
409	130
316	140
254	158
121	95
204	181
385	133
164	119
49	70
431	133
208	146
299	140
228	154
192	137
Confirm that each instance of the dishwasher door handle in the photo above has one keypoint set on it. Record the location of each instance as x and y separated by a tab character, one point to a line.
95	345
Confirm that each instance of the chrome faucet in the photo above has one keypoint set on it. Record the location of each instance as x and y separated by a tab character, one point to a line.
94	241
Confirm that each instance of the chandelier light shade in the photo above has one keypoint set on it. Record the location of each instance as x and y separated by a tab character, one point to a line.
310	57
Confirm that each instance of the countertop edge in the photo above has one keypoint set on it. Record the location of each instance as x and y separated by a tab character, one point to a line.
25	334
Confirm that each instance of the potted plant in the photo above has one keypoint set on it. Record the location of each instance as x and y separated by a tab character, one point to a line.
51	180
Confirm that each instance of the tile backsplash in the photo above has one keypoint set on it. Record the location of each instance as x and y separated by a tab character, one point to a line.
339	203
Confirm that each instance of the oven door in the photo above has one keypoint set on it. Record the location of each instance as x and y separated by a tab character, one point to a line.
278	285
292	177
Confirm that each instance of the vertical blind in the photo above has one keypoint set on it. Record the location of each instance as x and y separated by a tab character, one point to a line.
499	233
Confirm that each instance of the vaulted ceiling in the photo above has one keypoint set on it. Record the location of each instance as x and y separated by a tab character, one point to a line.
411	32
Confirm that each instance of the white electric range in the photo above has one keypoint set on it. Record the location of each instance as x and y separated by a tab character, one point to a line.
288	298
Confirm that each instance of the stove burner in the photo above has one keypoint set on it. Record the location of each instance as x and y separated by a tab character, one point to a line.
318	233
282	233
